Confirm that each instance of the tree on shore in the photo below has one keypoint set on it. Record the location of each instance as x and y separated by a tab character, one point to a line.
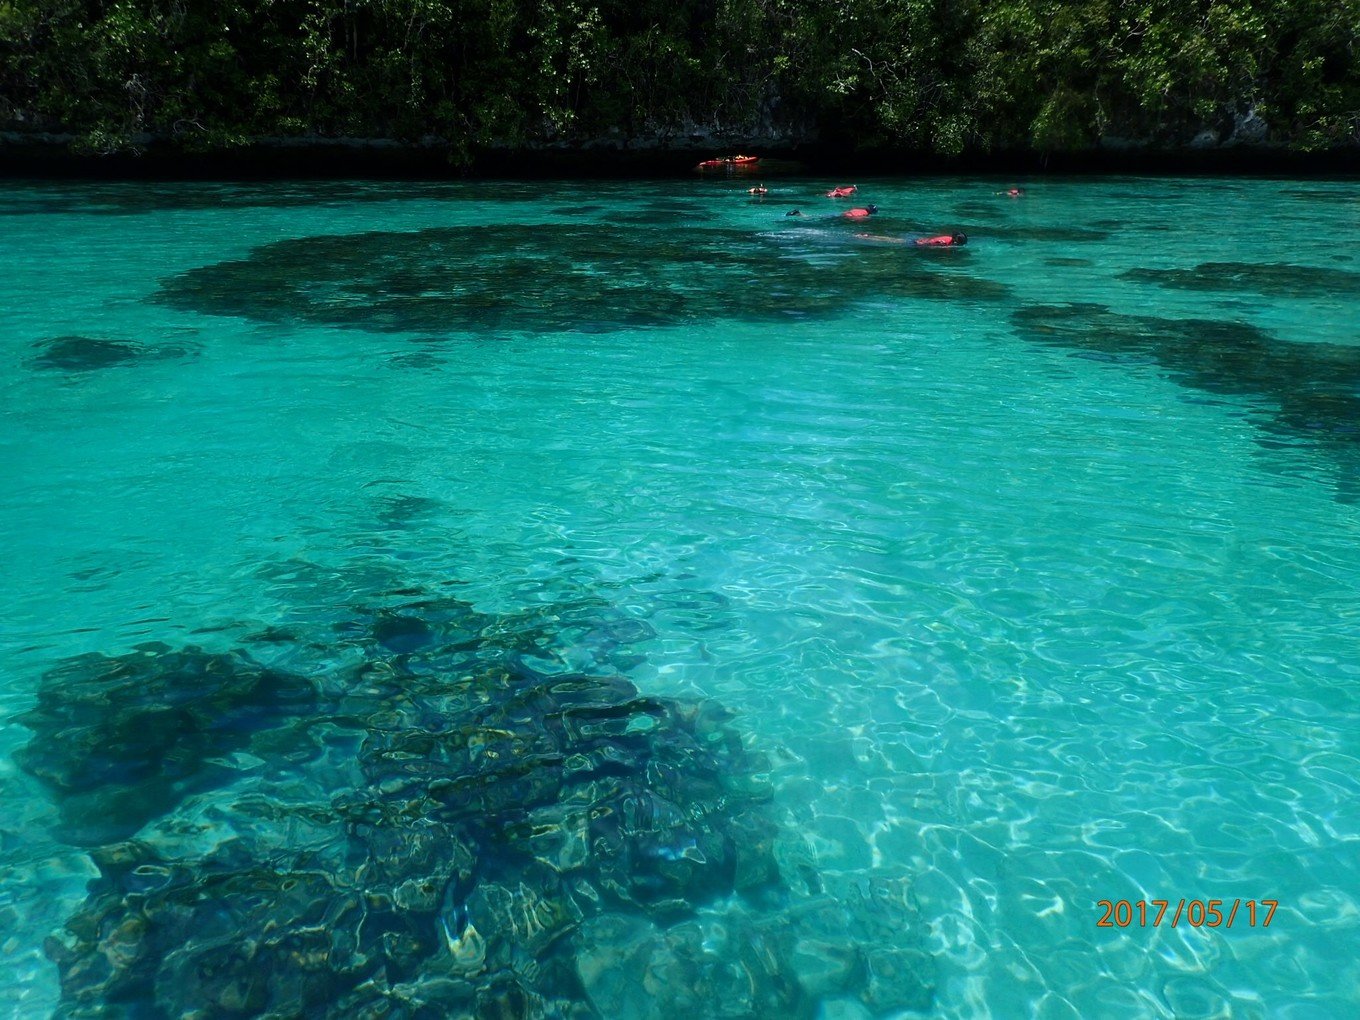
939	76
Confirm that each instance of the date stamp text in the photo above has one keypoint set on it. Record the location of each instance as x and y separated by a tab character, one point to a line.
1195	913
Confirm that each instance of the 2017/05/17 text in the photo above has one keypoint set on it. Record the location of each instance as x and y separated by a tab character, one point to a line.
1196	913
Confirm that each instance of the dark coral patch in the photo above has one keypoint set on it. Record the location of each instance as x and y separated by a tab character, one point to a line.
495	809
84	353
404	512
123	739
418	360
1035	232
88	354
1276	279
466	847
546	277
1304	392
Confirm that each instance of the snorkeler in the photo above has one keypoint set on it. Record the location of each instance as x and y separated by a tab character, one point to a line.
955	240
842	191
794	212
759	189
860	213
1012	192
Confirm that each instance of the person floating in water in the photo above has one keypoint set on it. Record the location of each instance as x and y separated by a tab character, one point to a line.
861	213
842	191
1012	192
939	241
759	190
794	212
955	240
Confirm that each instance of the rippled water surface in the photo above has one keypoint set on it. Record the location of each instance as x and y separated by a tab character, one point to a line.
631	601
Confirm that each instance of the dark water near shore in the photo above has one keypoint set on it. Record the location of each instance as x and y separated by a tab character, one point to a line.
626	600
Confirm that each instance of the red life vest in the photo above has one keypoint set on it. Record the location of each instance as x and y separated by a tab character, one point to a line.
943	239
856	214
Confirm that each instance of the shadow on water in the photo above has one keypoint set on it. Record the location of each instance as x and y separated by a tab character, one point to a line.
1304	393
550	277
412	811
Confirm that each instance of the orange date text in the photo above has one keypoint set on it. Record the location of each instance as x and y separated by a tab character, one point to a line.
1195	913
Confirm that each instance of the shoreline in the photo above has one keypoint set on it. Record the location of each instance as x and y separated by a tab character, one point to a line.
50	157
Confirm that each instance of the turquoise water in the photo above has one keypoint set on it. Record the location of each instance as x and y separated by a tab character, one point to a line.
1026	575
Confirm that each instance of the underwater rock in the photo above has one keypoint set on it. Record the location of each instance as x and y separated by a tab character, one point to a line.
87	354
898	979
122	739
698	968
880	906
406	512
419	360
449	821
613	956
844	1009
399	633
203	938
743	961
523	914
486	812
861	937
441	635
84	353
1275	279
587	772
722	971
824	969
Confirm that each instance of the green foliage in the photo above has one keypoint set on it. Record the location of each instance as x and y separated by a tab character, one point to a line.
935	75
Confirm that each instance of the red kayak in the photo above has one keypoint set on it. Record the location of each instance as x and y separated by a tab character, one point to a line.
844	191
729	163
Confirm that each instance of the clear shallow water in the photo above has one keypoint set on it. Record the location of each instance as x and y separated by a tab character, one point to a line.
1028	571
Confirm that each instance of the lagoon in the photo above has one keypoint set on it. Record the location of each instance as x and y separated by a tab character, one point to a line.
625	599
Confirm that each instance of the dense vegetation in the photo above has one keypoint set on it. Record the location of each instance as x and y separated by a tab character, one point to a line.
942	76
